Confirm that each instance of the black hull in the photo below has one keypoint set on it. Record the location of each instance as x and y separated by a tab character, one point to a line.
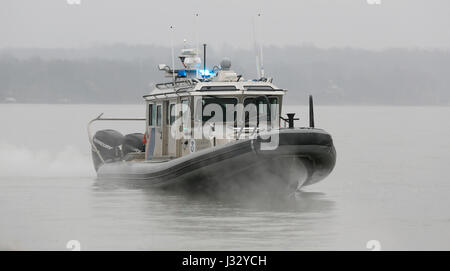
303	157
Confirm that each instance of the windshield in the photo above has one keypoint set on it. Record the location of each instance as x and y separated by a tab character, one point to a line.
212	104
258	101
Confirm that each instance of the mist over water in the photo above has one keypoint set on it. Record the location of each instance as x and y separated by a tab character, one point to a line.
69	161
390	184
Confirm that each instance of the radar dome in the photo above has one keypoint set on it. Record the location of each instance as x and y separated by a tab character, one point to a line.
225	64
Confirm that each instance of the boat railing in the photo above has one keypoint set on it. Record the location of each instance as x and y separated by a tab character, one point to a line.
100	118
175	84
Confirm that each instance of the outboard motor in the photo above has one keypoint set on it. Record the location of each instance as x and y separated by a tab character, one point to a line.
107	143
133	143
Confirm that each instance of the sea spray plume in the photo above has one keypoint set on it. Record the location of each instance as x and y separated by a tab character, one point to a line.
20	161
267	181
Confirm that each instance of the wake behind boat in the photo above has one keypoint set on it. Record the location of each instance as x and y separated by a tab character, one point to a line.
210	129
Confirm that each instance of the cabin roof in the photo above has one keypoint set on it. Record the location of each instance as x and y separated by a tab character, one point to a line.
194	88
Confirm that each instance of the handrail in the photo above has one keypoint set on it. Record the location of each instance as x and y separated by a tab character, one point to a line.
99	117
184	83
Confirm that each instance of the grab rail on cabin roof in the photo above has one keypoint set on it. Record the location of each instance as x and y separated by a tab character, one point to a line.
184	83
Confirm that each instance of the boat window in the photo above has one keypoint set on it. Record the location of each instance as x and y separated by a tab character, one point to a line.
184	116
167	111
151	114
261	100
171	114
222	102
158	115
184	106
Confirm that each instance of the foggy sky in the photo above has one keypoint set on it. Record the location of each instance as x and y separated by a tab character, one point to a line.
324	23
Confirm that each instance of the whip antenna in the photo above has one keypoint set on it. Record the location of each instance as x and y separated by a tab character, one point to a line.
173	55
258	72
261	60
196	41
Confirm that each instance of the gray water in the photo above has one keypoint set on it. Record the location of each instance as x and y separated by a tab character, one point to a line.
391	184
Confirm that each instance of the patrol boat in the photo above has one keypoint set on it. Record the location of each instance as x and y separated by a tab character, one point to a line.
212	130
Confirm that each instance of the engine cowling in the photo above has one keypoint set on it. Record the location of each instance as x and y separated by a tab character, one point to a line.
107	142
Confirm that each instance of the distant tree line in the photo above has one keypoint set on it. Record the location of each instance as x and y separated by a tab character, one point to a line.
123	74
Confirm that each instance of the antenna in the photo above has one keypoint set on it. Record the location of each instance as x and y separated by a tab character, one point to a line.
204	60
261	45
173	55
258	72
196	41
